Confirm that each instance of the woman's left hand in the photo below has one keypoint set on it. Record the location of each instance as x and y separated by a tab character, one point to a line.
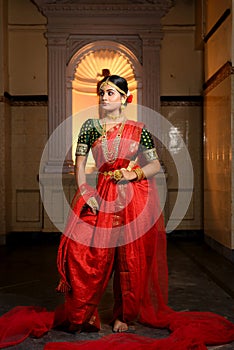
93	204
128	175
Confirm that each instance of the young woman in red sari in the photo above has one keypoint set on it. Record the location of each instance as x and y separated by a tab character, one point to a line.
120	229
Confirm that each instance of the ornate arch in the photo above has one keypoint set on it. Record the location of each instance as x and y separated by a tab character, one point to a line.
101	47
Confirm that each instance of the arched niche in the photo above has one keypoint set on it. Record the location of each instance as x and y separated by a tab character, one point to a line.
84	71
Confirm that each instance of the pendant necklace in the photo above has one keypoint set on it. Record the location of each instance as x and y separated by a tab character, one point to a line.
111	155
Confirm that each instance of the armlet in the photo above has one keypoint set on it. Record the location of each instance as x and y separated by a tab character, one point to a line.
81	149
150	154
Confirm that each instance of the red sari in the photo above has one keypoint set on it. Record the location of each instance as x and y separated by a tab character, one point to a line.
127	238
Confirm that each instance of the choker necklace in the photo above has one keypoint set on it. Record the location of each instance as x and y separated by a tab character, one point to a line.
111	155
113	117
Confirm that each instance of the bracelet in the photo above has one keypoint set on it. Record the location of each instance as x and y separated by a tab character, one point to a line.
139	173
86	191
92	202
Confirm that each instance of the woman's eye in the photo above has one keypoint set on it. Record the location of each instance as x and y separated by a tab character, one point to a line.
110	93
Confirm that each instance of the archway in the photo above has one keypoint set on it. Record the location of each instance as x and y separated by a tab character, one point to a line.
85	70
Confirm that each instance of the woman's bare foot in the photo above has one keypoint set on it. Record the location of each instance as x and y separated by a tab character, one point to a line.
120	326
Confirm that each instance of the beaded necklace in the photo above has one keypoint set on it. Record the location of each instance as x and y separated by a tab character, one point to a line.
111	155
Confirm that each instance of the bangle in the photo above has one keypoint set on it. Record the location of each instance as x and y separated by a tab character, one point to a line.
86	191
92	203
139	173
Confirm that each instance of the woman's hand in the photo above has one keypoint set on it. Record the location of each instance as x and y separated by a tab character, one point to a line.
128	175
93	204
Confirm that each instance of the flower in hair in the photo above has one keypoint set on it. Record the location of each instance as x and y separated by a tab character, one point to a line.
129	97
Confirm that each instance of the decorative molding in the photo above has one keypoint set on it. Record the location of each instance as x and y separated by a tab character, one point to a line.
24	100
28	103
92	9
76	42
132	42
181	101
57	39
222	73
154	41
178	28
40	28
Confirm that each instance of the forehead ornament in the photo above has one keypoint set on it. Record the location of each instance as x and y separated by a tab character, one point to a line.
107	82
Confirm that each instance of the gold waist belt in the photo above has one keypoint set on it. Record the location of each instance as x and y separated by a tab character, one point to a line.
115	174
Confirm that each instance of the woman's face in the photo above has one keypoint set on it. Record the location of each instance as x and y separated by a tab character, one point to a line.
110	99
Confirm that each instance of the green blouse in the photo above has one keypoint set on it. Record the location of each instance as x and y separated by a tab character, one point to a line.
91	130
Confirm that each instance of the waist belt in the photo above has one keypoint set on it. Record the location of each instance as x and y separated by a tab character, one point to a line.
113	174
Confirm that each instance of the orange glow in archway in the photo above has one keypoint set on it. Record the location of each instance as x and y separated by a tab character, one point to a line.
84	86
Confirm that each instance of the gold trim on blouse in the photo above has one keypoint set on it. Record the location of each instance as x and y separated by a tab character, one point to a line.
81	149
150	154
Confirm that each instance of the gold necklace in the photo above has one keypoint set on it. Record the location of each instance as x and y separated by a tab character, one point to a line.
111	155
113	117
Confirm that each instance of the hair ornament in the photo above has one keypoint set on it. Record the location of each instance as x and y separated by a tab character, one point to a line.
129	97
110	83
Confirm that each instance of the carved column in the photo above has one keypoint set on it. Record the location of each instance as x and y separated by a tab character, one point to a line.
57	105
151	72
151	78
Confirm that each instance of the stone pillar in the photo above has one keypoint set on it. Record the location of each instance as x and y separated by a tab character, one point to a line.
151	80
151	72
57	106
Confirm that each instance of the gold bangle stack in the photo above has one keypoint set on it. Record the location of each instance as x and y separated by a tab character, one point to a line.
139	173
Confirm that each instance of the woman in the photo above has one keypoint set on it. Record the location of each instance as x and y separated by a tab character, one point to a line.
120	228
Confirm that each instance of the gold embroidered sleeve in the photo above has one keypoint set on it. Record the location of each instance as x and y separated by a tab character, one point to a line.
147	146
81	149
150	154
83	143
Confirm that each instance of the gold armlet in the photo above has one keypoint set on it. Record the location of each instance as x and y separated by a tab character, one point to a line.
150	154
139	173
81	149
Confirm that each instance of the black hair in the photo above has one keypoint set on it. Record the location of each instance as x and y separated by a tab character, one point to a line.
117	80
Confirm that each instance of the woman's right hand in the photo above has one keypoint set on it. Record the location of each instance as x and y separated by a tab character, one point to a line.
93	204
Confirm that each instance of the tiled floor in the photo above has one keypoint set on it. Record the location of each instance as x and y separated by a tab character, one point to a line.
199	279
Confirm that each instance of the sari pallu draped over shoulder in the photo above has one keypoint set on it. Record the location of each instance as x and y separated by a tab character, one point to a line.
129	223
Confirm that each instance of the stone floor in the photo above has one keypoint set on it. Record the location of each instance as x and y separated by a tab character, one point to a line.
199	279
